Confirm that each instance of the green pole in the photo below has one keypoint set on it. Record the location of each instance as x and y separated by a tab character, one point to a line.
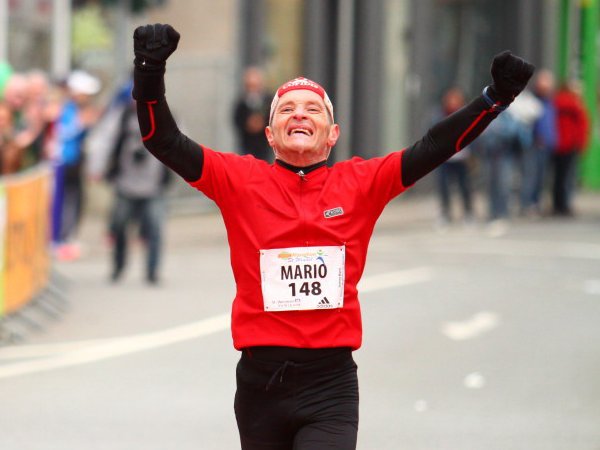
563	40
590	167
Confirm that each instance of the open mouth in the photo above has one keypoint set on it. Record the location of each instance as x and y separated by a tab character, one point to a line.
300	130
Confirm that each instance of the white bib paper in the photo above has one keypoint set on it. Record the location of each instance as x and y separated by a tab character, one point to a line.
302	278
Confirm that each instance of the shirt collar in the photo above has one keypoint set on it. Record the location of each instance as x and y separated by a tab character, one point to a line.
296	169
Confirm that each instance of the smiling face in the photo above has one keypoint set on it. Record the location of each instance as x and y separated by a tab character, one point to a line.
301	132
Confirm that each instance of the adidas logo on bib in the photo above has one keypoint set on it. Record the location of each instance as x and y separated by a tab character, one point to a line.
324	303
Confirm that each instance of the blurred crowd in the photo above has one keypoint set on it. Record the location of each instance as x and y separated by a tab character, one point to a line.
525	163
52	121
47	120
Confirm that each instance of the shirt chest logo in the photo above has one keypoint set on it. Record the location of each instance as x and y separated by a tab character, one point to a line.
329	213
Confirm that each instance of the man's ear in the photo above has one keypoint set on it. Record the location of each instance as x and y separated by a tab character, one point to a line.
269	134
334	134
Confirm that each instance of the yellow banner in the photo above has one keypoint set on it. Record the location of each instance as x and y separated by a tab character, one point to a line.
27	261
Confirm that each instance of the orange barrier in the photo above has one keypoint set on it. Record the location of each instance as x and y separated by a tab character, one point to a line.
24	237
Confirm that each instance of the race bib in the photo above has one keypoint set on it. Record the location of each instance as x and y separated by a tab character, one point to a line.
302	278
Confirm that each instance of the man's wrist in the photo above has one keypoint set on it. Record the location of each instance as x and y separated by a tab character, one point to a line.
148	65
148	83
493	100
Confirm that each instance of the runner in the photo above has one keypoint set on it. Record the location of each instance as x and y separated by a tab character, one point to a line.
298	233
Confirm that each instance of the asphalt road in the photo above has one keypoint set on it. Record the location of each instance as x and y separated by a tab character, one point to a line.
473	339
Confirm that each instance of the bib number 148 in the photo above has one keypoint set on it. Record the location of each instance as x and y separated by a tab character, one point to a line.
306	288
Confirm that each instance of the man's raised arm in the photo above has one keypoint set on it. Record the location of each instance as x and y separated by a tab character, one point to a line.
152	45
510	75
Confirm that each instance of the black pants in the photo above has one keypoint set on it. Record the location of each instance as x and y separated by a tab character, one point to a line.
455	172
297	399
565	173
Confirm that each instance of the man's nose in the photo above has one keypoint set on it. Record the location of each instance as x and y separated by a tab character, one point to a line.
299	113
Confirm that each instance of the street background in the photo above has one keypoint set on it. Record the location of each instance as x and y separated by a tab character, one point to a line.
479	333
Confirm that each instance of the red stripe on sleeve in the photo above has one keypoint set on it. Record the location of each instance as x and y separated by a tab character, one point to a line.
475	122
152	122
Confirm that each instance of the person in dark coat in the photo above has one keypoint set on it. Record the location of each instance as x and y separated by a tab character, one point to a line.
251	116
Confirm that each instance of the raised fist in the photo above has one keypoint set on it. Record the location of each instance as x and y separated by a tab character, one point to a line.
153	44
510	75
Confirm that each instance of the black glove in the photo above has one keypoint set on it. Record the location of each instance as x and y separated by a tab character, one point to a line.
152	45
510	75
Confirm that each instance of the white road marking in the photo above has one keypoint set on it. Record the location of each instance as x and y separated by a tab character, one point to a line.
421	406
592	287
68	354
502	247
44	350
394	279
474	381
118	347
475	326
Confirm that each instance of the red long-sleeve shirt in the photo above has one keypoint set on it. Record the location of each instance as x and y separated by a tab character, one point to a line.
571	121
268	206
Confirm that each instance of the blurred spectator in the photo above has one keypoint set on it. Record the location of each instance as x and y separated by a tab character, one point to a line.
99	141
55	100
37	117
139	182
9	151
27	96
573	128
15	96
456	170
6	123
77	116
543	145
122	95
251	115
526	109
498	145
5	73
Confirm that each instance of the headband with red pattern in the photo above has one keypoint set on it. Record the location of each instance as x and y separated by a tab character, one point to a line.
297	84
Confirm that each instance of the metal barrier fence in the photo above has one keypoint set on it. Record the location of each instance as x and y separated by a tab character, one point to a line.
25	265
